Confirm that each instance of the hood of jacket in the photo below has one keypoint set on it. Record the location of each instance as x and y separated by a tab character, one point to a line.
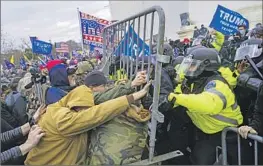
58	76
81	96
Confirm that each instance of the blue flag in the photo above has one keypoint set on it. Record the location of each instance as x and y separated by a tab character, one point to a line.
22	63
8	64
226	21
33	38
41	47
130	49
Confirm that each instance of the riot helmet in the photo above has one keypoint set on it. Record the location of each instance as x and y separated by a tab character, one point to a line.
257	32
178	60
251	48
190	49
167	50
199	61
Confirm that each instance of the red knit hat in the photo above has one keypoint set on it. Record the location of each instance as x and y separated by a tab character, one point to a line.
186	41
41	67
53	63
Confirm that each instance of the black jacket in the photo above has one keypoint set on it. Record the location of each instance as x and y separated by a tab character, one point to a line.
17	104
10	121
257	116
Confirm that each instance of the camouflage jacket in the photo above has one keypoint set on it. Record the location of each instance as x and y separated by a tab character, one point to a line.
121	140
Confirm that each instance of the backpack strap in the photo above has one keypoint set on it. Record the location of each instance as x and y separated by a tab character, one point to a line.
44	90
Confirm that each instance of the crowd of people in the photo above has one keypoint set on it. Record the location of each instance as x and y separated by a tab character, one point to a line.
69	114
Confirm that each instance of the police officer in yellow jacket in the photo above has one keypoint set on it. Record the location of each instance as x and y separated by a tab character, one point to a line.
209	101
219	40
229	73
116	72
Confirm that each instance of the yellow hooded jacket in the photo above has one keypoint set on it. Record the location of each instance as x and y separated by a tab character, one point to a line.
229	76
219	40
66	139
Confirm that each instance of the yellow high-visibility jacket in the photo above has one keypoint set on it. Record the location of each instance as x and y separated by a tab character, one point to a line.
219	40
229	76
213	109
119	75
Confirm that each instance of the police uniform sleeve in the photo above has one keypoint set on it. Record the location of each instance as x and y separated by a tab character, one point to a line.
212	100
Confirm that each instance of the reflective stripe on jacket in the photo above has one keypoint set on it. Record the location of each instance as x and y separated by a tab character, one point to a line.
213	108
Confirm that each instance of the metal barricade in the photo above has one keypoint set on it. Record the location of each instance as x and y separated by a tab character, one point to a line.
122	40
254	137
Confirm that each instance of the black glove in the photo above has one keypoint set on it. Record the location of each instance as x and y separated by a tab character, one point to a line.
147	102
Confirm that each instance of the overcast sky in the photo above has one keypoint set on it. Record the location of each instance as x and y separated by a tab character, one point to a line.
48	20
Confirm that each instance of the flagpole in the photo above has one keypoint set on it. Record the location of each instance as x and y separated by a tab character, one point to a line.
81	37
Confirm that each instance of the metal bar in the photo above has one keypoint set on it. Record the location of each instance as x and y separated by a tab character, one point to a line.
121	49
224	145
125	48
239	149
132	50
160	158
150	45
128	50
256	152
138	50
144	36
158	9
157	82
251	136
217	153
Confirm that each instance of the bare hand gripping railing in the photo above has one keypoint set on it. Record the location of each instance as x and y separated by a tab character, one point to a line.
254	137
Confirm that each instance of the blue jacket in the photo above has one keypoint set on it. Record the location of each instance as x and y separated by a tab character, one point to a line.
59	84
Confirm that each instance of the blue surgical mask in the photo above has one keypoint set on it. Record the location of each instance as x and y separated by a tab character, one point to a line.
242	32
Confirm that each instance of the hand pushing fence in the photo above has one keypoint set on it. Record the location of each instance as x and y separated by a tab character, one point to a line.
127	49
256	139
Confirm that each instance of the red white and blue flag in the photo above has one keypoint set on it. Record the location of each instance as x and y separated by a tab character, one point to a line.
91	29
62	47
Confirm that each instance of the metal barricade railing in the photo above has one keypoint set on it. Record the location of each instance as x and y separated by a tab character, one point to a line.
254	137
126	40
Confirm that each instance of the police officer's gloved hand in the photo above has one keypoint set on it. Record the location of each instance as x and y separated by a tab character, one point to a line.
147	102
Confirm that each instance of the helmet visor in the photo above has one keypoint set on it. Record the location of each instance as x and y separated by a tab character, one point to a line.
250	50
191	67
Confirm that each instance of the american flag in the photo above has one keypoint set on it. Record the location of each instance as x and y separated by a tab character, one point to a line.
62	47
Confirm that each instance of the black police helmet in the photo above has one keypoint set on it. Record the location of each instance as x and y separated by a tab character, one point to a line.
178	60
208	56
